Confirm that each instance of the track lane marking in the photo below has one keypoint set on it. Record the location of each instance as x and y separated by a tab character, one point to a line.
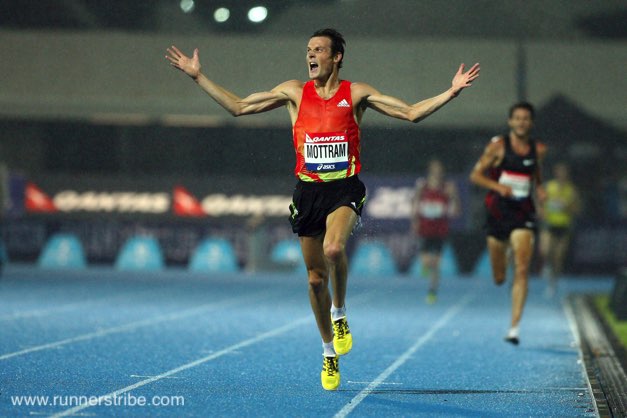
169	373
450	313
137	324
71	305
230	349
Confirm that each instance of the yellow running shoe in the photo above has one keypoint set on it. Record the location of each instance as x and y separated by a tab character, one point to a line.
342	338
330	374
432	297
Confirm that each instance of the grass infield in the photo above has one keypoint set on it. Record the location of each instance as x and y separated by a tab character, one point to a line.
619	327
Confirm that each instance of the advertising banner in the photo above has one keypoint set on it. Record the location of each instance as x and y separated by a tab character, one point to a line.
388	204
212	198
104	212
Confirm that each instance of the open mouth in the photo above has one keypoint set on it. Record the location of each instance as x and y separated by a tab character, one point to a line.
313	66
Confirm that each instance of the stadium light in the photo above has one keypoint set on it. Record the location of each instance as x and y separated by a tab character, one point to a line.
257	14
187	6
221	14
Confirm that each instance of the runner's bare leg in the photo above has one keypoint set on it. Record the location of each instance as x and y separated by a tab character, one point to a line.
318	276
432	262
498	259
340	224
522	246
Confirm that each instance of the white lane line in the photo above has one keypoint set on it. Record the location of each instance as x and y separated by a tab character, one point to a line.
273	333
367	383
228	350
34	413
42	312
45	312
138	324
70	306
450	313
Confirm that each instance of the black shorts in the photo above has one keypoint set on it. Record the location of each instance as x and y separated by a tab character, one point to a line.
432	245
312	202
559	231
506	216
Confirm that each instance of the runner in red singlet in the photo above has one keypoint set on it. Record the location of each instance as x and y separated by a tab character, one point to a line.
435	201
328	199
512	162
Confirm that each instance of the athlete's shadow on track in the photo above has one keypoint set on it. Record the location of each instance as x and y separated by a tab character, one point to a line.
560	350
400	399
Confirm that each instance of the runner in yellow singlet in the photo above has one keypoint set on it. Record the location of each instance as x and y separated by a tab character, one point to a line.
558	213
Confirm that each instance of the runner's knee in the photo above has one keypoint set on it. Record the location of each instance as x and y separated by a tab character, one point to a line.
317	280
333	251
521	270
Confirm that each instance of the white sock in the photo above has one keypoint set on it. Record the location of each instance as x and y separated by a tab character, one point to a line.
327	349
513	332
337	313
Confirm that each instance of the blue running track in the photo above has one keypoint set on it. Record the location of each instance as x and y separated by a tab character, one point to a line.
121	344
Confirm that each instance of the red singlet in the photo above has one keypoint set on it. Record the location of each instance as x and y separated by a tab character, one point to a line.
326	136
433	211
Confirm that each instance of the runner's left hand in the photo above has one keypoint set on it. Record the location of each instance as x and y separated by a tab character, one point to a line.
464	79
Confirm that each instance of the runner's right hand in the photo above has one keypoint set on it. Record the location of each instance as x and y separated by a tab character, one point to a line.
190	66
504	191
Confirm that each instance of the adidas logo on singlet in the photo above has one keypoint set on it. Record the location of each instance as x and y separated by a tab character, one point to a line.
343	103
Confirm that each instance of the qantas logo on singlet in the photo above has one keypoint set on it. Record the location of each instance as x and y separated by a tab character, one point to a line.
325	138
343	103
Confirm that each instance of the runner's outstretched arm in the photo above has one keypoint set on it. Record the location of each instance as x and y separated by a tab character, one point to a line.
235	105
391	106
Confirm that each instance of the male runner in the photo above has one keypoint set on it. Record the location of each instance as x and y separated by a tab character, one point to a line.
435	201
513	162
329	197
561	206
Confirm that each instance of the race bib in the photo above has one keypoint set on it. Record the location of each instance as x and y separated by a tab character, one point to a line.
556	205
432	209
518	182
326	151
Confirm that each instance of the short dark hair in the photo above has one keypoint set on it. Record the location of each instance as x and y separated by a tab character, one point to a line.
337	41
522	105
